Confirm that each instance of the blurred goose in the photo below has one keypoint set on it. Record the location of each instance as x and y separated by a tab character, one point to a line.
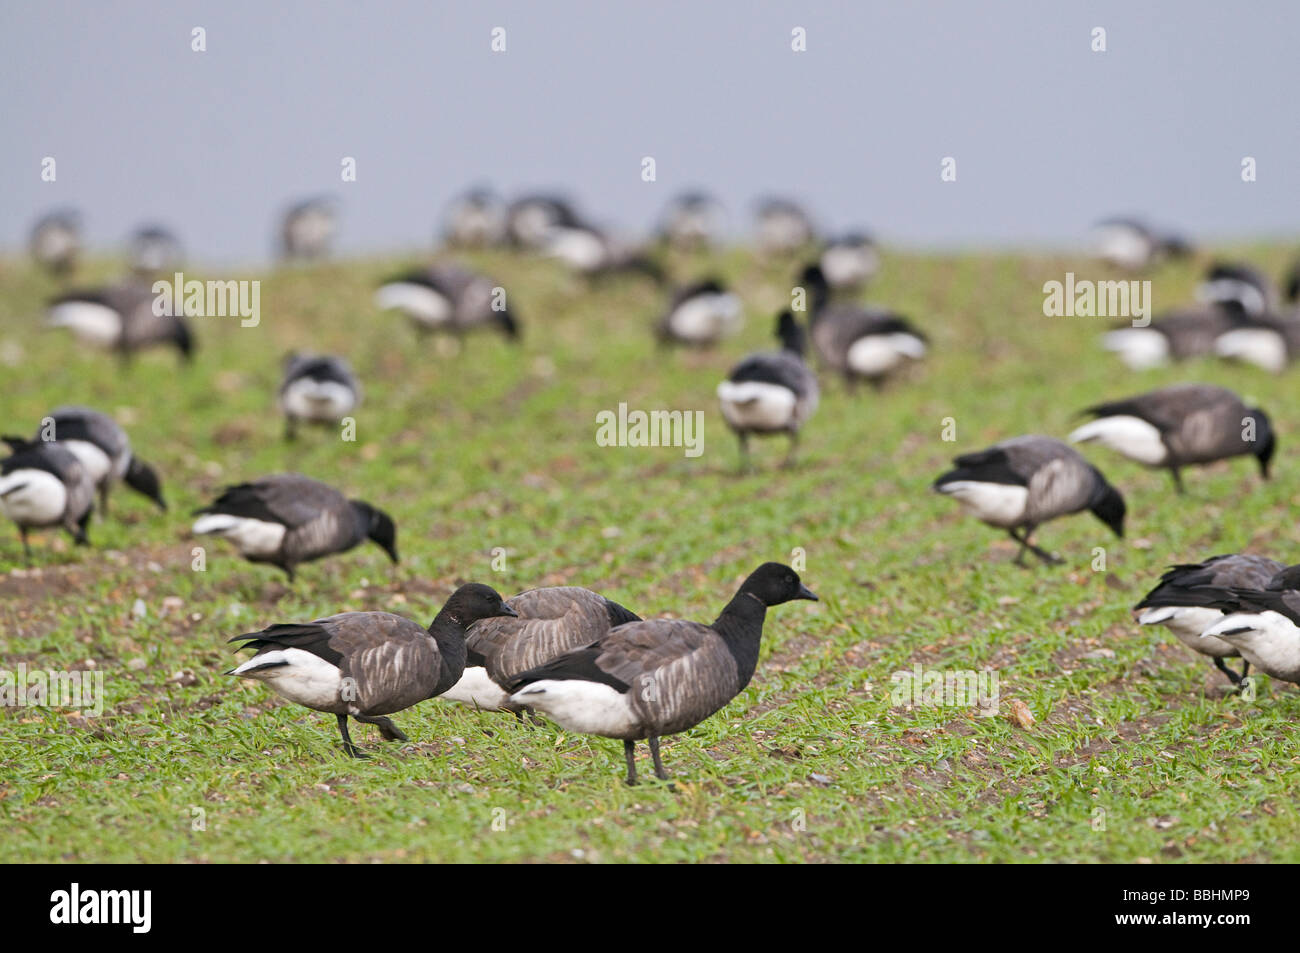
153	250
692	220
1174	336
849	262
368	664
659	677
1238	287
319	389
781	227
308	229
592	253
548	622
1178	426
860	343
1021	483
288	519
1262	624
475	220
531	220
103	449
448	298
1270	342
771	392
43	484
55	241
700	314
1291	284
1133	245
1181	604
120	318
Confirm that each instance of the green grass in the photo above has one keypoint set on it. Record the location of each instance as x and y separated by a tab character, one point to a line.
496	448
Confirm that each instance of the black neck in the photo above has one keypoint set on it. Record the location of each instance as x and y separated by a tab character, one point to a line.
741	627
448	632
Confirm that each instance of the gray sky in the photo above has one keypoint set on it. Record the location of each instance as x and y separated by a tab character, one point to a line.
1048	135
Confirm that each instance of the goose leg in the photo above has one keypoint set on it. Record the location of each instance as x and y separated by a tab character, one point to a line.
744	451
387	730
629	752
27	546
794	446
1223	667
290	428
1020	553
103	500
1178	480
351	750
660	773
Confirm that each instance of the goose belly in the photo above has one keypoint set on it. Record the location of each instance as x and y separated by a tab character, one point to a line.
477	690
705	317
1139	348
1187	623
998	504
590	708
755	405
33	497
94	461
1272	645
1129	436
1259	346
299	676
878	354
418	302
91	322
323	401
257	538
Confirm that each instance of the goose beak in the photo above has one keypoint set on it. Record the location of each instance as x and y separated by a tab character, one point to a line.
806	593
507	611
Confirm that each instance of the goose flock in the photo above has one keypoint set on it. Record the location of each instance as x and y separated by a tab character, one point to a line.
579	658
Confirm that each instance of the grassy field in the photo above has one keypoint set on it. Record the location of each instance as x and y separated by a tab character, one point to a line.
1136	751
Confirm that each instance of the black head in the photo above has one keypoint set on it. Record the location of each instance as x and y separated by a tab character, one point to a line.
812	277
774	583
183	339
379	527
508	323
474	601
1265	442
144	480
1108	506
790	333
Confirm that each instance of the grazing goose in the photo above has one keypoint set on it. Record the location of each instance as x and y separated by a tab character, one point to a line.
1263	624
860	343
104	450
1239	288
154	250
120	318
448	298
549	622
319	389
288	519
781	227
662	676
531	220
700	315
771	393
592	253
1021	483
1267	341
368	664
849	262
1181	604
55	241
691	221
1132	245
1175	336
1179	426
307	231
475	220
43	484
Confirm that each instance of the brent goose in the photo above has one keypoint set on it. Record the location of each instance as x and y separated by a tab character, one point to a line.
549	622
1238	287
55	241
104	450
1269	341
1263	624
121	318
771	392
1181	425
317	388
368	664
861	343
1174	336
850	261
782	226
475	220
43	484
531	219
154	250
700	315
1133	245
448	298
594	253
662	676
288	519
1181	604
307	231
1021	483
691	221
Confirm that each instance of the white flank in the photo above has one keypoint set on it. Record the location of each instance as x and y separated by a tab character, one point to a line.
577	248
306	678
92	322
1272	642
1259	346
755	405
1223	290
590	708
32	497
1139	348
324	401
846	265
1130	436
477	690
419	302
878	354
1188	623
998	504
94	461
1122	245
705	317
251	537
